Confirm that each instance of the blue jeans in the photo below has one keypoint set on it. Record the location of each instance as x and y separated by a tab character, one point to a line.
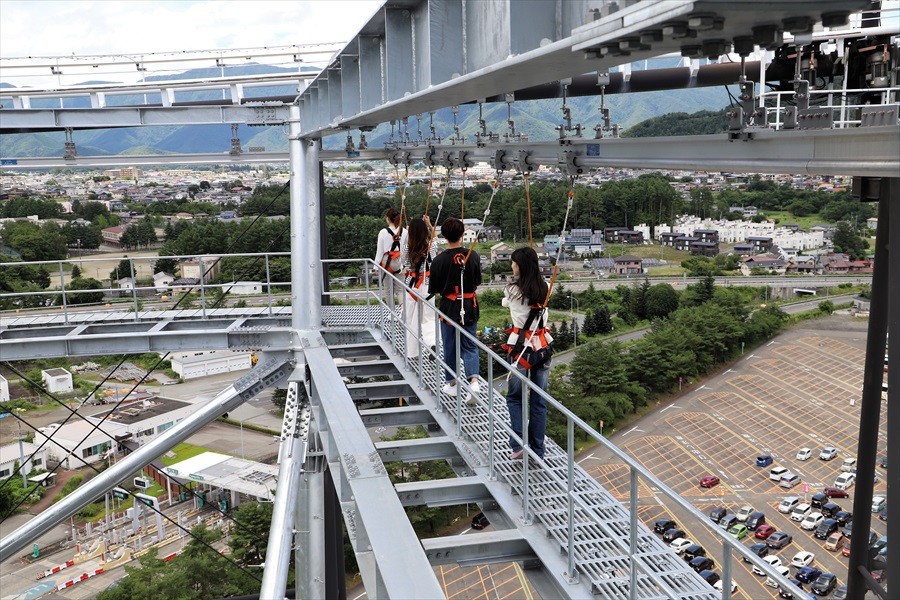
537	408
469	351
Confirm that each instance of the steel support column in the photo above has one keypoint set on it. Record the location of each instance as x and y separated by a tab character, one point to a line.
873	376
892	197
310	537
306	284
335	575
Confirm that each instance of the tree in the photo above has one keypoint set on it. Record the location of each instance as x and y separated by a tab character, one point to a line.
564	340
638	301
122	270
590	324
248	540
661	299
847	239
76	272
599	368
603	319
84	297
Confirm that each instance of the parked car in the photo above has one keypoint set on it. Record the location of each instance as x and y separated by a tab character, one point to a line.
776	472
720	586
829	509
826	528
802	559
883	462
789	480
772	560
845	480
759	549
811	521
763	460
755	520
782	593
788	504
833	492
727	521
779	540
824	584
883	515
701	563
709	481
744	513
818	500
878	504
763	531
800	511
843	517
679	544
783	570
717	512
808	574
835	541
739	531
827	453
839	593
804	454
848	465
673	534
711	577
693	551
479	521
661	525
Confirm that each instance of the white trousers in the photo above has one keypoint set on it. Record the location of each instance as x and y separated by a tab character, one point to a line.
413	307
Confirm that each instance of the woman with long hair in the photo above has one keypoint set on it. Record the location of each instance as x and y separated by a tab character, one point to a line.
416	255
528	348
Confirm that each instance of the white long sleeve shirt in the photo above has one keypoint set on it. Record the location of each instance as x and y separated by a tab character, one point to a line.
519	309
386	240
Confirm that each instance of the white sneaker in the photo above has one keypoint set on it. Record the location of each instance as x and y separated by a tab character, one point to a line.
449	389
474	391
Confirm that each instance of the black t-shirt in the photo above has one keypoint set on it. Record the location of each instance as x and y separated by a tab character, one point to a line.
445	280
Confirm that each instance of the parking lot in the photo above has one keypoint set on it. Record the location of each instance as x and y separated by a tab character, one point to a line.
800	390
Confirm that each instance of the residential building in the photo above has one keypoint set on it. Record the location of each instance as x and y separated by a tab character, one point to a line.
501	252
112	236
769	262
4	389
667	238
760	243
78	442
631	236
611	234
743	249
707	235
628	265
469	237
125	283
11	456
704	248
203	268
162	281
491	233
57	381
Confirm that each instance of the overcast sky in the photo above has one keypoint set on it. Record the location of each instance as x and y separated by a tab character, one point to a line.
43	28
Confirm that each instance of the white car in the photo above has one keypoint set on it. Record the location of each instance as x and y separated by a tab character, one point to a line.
802	559
800	512
811	521
788	504
878	504
845	480
720	586
678	545
744	513
772	560
827	453
771	582
804	454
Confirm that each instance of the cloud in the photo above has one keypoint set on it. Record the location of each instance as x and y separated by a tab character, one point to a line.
85	27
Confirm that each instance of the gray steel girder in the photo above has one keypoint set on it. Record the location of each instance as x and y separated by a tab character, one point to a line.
416	450
396	417
444	492
371	368
374	517
480	548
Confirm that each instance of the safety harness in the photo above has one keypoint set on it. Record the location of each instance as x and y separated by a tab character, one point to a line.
392	256
525	334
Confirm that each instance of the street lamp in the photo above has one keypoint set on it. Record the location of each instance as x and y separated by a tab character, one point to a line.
22	469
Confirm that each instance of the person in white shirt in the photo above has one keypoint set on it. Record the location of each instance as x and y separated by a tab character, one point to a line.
528	346
416	256
390	240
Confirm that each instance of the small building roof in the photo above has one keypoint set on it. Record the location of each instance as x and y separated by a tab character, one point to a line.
58	372
228	472
627	258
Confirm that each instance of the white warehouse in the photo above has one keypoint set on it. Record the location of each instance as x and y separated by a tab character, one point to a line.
190	365
57	381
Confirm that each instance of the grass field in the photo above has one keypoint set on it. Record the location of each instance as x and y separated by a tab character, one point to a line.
659	252
784	218
182	451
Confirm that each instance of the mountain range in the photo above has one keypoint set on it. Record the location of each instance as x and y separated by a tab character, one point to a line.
536	118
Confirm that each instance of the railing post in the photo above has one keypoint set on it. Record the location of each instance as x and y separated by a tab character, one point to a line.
526	459
133	287
368	276
202	288
492	475
572	574
420	305
268	285
456	360
632	541
62	285
438	366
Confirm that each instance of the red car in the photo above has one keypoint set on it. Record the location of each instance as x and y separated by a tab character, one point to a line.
709	481
833	492
764	531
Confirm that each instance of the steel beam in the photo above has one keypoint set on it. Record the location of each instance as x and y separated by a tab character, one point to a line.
444	492
126	160
364	350
291	456
480	548
417	450
380	390
865	151
24	120
261	377
396	417
360	478
370	368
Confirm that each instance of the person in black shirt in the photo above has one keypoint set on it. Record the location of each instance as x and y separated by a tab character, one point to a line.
456	280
